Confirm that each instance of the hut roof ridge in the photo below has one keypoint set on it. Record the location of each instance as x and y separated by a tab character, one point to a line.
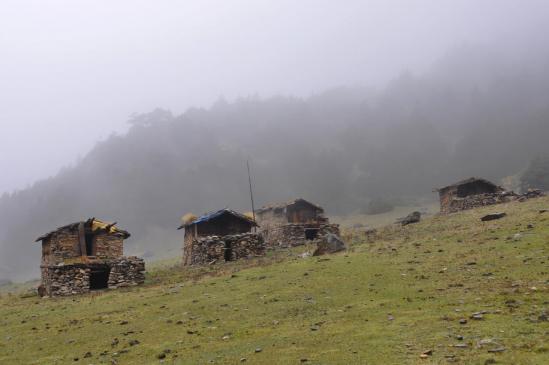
287	203
95	223
467	181
214	214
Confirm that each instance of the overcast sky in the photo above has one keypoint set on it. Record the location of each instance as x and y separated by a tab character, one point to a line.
71	72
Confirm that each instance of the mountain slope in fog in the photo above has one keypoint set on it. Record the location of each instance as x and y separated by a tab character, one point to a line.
474	114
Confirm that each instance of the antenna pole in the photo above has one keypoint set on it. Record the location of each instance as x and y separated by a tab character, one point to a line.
251	191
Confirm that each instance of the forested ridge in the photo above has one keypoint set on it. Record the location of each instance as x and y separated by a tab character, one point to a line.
473	114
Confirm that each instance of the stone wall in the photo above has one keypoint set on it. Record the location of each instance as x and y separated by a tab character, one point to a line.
454	204
62	280
60	246
531	194
271	218
209	249
108	246
64	245
127	271
290	235
293	214
475	201
65	280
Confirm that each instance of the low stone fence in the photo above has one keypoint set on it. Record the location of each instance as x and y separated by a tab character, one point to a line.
211	249
291	235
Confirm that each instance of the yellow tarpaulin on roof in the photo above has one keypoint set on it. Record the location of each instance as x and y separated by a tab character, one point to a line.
97	224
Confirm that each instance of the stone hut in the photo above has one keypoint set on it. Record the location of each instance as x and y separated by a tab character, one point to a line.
293	223
220	236
85	256
471	193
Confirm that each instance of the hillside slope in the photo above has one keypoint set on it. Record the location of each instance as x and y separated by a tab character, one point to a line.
382	302
475	113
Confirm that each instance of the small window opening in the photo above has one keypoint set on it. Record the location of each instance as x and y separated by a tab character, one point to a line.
228	251
99	278
311	233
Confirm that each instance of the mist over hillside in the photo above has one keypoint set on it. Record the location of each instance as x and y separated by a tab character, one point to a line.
475	113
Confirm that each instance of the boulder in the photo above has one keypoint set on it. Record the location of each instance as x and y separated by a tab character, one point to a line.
41	290
413	217
329	243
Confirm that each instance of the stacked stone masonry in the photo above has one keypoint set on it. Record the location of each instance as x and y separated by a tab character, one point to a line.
476	201
128	271
291	235
64	245
212	249
481	200
62	280
85	256
108	246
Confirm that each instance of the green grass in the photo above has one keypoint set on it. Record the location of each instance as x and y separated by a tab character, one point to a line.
383	219
18	288
379	303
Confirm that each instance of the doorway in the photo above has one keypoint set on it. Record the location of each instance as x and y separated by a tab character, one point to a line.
311	234
99	278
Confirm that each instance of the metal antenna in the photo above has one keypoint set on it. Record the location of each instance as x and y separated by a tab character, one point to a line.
251	191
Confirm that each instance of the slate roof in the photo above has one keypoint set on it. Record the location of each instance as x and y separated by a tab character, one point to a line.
212	215
468	181
288	203
95	225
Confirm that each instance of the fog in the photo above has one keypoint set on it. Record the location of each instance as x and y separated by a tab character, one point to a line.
141	111
72	72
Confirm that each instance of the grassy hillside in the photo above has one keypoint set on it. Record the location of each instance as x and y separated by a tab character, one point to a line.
383	219
414	289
